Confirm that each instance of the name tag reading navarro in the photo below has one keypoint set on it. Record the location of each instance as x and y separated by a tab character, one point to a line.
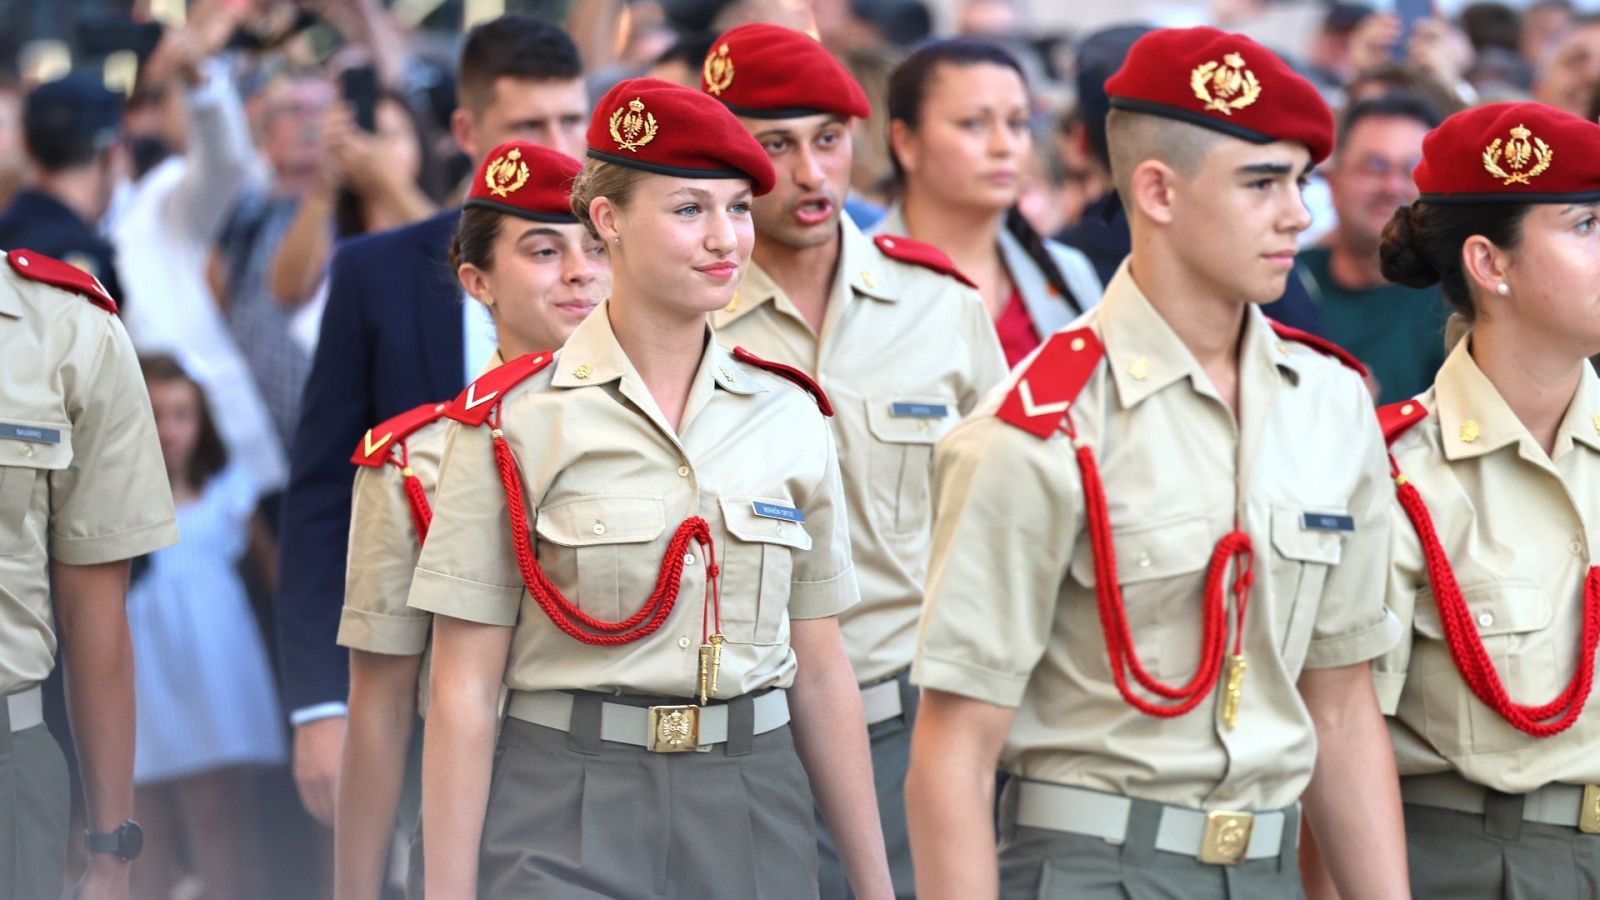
1310	521
29	433
778	511
919	410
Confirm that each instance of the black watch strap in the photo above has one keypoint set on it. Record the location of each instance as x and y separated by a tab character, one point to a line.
125	842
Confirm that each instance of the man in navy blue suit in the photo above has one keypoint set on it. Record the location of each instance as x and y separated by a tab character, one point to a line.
396	334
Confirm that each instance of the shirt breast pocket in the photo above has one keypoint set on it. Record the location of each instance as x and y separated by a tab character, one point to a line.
1161	567
603	545
1301	561
904	431
757	567
1513	618
29	452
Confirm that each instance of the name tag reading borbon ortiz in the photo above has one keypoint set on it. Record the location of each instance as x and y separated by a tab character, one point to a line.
919	410
777	511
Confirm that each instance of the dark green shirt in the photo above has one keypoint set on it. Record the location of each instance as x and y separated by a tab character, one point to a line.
1398	332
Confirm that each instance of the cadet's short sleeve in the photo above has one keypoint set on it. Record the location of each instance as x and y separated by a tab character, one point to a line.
382	559
113	501
468	567
1389	670
1353	625
824	580
988	366
1005	518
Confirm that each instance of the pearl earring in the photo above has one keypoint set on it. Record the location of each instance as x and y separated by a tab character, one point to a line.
1504	289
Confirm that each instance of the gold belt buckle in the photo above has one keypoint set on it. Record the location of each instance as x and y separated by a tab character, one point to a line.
1227	837
674	729
1589	814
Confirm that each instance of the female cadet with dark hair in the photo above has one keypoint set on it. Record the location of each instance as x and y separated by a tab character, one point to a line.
959	138
1497	469
643	539
520	253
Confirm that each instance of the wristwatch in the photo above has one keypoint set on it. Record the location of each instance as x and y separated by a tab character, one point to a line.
124	843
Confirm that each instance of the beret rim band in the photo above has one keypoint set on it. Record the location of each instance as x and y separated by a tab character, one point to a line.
787	112
1590	196
519	212
677	171
1192	117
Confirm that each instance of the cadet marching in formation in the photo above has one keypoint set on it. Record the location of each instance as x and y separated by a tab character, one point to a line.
755	585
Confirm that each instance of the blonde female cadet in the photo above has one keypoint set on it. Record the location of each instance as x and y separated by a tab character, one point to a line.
644	539
520	252
1497	470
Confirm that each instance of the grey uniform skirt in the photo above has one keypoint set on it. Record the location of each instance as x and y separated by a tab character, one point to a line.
1497	856
576	817
34	804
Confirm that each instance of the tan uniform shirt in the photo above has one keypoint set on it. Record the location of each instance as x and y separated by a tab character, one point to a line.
383	552
904	353
1011	616
1514	523
81	475
608	482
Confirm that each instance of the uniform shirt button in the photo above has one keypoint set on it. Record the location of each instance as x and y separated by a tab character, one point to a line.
1576	547
683	642
683	471
688	559
599	528
1485	620
27	450
1144	560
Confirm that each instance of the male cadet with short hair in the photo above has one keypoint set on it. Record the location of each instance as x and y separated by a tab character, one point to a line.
70	128
396	334
83	489
897	337
1159	555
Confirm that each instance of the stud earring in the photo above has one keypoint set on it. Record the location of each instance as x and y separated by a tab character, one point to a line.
1503	289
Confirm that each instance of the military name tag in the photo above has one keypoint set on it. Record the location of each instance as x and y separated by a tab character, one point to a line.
777	511
919	410
1310	521
29	433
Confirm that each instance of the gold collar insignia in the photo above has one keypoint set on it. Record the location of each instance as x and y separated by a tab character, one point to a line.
1225	86
1525	155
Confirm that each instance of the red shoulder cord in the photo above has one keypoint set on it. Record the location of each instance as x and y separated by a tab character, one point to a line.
1466	648
417	499
1114	615
567	616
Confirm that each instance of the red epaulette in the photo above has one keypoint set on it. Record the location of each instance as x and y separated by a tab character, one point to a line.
1397	418
38	267
917	253
790	372
475	403
1321	345
374	447
1046	388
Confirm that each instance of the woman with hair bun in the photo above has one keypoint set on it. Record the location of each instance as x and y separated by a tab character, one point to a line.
1497	473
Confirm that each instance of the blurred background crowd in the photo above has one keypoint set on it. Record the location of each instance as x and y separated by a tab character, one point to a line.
205	158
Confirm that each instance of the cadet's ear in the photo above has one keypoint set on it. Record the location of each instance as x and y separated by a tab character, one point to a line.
464	131
603	213
1151	191
1484	265
903	144
473	281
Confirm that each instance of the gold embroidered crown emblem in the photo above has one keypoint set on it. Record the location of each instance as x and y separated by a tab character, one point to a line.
1525	156
1225	86
632	126
506	175
719	70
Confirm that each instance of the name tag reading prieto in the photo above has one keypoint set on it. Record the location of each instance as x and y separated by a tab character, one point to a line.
1310	521
777	511
30	433
919	410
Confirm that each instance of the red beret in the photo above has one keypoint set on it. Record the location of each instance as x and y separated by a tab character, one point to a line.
1225	82
669	129
1513	153
771	72
526	180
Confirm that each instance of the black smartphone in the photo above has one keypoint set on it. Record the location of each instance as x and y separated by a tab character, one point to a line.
360	87
1409	12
